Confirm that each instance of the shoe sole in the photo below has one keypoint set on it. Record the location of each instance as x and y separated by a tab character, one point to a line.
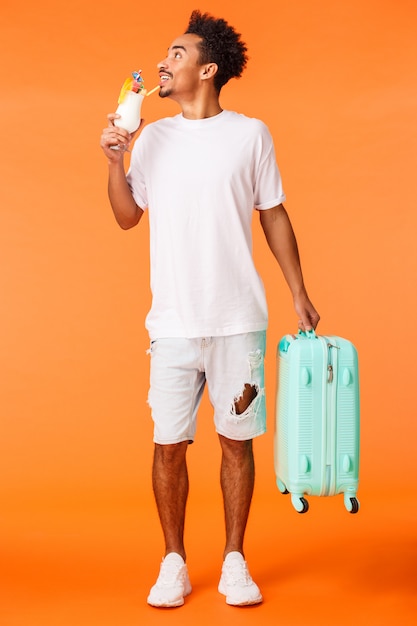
167	605
249	603
170	605
257	600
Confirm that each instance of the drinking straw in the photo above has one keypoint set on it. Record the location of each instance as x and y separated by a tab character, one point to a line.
152	90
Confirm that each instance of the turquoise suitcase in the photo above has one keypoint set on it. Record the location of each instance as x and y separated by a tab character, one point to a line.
316	440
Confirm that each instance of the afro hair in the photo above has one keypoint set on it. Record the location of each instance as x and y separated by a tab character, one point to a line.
220	44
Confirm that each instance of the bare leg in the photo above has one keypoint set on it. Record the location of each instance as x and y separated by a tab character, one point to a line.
237	482
237	479
170	485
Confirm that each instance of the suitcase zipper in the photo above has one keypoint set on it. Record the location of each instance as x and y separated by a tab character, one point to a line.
330	422
330	369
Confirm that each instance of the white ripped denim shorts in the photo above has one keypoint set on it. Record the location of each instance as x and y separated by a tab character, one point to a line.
180	369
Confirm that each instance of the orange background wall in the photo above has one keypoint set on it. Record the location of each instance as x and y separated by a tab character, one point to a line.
80	542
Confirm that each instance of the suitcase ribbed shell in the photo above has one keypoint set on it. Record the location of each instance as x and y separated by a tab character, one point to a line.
316	445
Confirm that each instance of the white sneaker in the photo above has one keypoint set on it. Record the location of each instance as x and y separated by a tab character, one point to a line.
173	583
236	583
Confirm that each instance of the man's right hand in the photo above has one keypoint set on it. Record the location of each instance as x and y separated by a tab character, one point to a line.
115	136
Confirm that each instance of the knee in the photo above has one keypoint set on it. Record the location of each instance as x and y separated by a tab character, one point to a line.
237	450
170	454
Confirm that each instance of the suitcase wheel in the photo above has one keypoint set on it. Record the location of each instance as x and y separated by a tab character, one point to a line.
299	503
355	506
351	504
282	487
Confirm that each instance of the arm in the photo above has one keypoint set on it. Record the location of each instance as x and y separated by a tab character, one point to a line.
125	209
281	239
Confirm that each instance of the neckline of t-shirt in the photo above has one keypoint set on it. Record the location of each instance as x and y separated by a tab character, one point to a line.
205	121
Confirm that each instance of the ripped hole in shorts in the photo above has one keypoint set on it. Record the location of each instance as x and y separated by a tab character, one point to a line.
246	403
245	399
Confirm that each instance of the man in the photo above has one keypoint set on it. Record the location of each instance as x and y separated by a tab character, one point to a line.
200	174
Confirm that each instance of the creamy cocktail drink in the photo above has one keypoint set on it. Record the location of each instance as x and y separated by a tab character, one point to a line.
130	103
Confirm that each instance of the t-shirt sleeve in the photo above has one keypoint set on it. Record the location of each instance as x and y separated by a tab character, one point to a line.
268	189
135	175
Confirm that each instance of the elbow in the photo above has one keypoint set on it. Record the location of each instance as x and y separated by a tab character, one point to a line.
128	222
127	225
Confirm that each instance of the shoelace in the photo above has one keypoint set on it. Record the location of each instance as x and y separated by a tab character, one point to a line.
170	573
238	573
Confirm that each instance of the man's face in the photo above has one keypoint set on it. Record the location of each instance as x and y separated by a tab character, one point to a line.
180	72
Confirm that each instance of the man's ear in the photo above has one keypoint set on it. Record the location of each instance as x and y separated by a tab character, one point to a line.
209	70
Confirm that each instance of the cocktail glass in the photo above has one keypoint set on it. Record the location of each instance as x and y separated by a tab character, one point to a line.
129	110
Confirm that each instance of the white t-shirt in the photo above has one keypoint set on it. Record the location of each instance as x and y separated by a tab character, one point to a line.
201	180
